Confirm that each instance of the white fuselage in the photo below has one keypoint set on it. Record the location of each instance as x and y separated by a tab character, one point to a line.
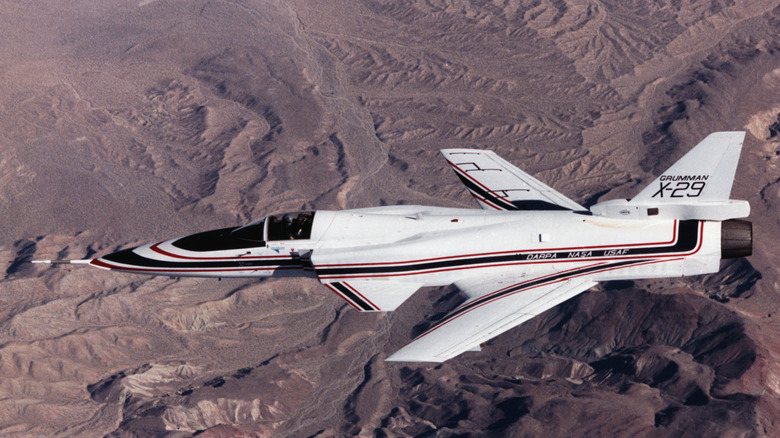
530	248
433	246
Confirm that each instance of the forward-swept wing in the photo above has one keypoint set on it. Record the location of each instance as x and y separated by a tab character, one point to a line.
484	317
499	185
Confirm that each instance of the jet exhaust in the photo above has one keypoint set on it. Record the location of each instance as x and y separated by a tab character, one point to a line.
736	239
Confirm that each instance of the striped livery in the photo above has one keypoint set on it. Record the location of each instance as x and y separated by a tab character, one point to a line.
528	249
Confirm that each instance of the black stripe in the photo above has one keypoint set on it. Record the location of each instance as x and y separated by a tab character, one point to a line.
534	283
537	205
528	204
355	299
687	239
128	257
479	191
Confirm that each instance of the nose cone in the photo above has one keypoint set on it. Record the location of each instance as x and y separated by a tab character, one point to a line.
210	254
139	260
164	258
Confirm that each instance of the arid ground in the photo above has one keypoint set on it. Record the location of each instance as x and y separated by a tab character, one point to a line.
126	122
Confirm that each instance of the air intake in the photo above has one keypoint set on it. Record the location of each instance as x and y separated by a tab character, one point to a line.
736	239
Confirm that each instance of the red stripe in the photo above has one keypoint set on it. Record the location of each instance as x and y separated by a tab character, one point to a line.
533	287
461	268
458	268
102	264
535	279
343	297
486	202
156	248
466	175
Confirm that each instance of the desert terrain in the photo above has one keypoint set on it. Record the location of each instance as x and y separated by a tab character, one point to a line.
126	122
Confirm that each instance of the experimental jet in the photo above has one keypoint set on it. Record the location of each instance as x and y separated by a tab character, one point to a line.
528	249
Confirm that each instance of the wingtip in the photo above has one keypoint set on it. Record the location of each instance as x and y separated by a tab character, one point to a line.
395	357
451	151
410	353
728	135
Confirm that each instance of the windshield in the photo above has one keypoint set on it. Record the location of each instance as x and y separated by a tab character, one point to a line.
289	226
252	232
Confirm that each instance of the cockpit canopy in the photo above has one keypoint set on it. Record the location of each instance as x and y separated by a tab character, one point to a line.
280	227
285	226
251	233
290	226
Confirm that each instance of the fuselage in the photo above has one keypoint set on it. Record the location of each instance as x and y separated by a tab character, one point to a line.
433	246
529	249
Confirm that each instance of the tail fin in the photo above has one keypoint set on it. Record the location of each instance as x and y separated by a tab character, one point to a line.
705	173
697	186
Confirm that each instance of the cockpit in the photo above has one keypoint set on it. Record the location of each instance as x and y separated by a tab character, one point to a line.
290	226
284	226
280	227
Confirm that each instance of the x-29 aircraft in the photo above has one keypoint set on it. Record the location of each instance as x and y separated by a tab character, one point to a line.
530	248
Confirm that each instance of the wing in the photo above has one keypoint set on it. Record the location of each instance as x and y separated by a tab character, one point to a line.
498	184
485	317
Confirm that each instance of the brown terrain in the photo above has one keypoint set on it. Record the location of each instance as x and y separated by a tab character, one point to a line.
124	122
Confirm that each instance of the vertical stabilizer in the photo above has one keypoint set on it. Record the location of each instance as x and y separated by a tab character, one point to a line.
706	173
697	186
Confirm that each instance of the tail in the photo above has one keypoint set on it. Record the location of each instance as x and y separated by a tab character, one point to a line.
697	186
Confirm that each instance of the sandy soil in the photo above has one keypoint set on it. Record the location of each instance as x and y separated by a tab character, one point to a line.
123	122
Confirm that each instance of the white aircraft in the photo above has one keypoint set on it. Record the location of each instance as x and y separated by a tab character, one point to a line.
530	248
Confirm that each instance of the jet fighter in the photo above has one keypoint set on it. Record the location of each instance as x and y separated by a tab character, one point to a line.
529	248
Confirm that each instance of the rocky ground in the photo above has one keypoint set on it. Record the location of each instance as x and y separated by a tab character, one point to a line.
124	122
